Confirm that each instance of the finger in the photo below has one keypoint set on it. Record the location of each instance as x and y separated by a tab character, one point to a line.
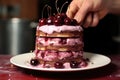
95	20
84	9
72	9
88	20
102	14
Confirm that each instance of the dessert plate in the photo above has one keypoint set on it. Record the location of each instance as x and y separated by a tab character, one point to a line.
96	61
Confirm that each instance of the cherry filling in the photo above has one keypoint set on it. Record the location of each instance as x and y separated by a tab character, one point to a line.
63	41
46	39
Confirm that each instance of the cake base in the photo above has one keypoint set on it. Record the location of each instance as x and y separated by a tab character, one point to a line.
57	59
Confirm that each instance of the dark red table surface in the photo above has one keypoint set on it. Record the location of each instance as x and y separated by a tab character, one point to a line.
109	72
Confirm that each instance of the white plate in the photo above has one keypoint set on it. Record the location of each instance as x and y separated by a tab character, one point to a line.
96	61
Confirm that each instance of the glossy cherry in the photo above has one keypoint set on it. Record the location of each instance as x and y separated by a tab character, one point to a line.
63	15
57	22
67	21
58	16
74	22
74	64
34	62
42	22
50	20
58	65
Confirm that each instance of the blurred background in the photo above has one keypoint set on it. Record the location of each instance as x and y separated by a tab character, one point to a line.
18	20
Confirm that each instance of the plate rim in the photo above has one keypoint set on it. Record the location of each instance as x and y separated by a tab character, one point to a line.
12	60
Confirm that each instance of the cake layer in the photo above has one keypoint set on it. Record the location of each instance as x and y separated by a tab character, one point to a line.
59	34
76	47
58	56
45	41
50	29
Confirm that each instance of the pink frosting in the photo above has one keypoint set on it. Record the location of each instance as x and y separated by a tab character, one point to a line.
52	28
57	41
52	55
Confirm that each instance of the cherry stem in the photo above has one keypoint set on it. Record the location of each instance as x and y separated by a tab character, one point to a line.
44	10
57	6
49	10
63	6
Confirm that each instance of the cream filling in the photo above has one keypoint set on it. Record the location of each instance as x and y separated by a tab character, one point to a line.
52	28
58	41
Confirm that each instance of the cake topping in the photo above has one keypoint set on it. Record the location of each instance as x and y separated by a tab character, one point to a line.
67	21
58	20
42	22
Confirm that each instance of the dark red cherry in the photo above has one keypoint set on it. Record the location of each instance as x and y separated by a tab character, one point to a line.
57	22
58	65
74	64
74	22
58	16
63	15
42	22
50	20
34	62
46	39
67	21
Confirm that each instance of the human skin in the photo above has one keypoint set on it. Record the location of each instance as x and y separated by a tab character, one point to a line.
89	12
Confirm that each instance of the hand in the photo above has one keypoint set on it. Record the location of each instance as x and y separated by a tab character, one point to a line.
88	12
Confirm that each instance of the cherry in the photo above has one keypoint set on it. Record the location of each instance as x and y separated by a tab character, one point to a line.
46	39
34	62
63	15
42	22
74	22
58	65
50	20
58	16
67	21
74	64
57	22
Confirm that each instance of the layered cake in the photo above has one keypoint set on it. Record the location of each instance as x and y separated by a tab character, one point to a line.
59	43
